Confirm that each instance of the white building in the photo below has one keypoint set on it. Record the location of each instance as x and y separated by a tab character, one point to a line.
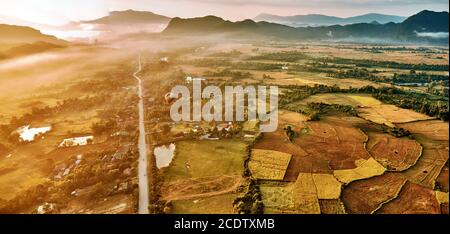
76	141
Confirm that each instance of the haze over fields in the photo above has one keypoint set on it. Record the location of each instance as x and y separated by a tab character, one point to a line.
86	95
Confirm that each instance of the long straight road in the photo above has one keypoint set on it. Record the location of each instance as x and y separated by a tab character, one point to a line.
142	171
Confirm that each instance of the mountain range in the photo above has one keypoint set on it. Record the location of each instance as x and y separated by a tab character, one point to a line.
130	17
22	34
324	20
424	27
20	40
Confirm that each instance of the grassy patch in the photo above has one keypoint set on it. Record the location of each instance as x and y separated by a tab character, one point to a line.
196	159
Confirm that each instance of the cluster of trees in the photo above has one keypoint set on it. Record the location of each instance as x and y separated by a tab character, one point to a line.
297	93
237	75
102	127
250	202
421	102
418	103
208	62
379	49
104	82
284	56
33	196
324	107
94	173
386	64
358	73
422	77
290	133
232	54
257	66
395	131
71	104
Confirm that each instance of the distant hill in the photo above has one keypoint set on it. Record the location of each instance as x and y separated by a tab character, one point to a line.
20	34
324	20
424	27
426	22
29	48
19	40
214	25
131	17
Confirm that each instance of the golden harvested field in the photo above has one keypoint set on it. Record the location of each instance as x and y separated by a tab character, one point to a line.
364	169
327	186
302	196
277	197
269	164
442	197
370	108
311	79
394	153
352	52
289	117
305	195
278	141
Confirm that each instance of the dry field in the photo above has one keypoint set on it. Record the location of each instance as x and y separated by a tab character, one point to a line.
277	197
333	206
352	52
219	204
396	154
268	164
364	169
433	136
311	79
305	195
311	193
442	180
366	196
204	173
370	109
278	141
198	159
335	142
413	199
200	187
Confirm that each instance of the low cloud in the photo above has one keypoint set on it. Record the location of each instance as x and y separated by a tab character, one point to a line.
434	35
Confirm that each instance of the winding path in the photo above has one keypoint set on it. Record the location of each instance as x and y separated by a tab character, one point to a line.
142	171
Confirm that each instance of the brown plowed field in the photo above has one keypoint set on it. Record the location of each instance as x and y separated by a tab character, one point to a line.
413	199
333	206
338	145
394	153
365	196
433	136
442	179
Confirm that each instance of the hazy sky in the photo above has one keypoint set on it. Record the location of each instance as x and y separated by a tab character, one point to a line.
58	12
